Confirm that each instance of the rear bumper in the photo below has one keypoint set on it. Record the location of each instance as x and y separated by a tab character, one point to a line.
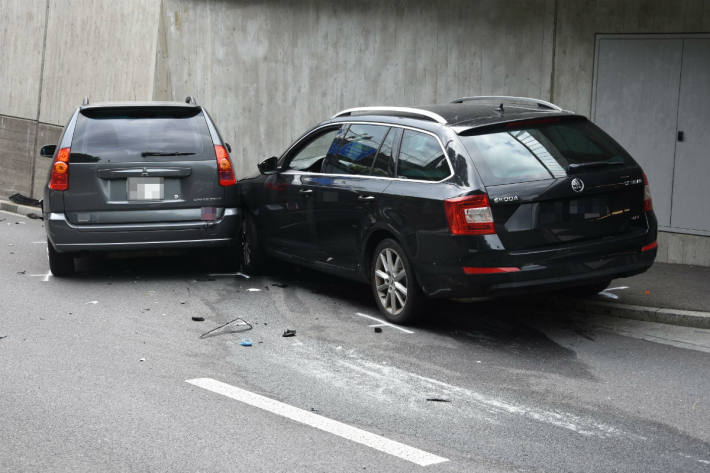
68	237
536	271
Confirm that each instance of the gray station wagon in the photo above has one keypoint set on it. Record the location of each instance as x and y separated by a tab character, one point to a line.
135	176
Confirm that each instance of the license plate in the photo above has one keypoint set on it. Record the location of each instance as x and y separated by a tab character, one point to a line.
145	188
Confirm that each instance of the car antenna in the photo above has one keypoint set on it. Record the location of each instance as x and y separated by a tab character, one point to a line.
190	100
85	101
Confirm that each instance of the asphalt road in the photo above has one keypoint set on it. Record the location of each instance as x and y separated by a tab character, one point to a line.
94	376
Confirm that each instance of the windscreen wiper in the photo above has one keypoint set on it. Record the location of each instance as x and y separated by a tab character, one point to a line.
166	153
574	167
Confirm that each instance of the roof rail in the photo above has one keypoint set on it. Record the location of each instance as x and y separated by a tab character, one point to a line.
504	98
401	111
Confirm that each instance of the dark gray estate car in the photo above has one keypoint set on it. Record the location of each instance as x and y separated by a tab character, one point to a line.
134	176
484	196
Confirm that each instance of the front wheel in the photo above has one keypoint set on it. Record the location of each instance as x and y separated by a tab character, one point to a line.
394	284
253	258
60	264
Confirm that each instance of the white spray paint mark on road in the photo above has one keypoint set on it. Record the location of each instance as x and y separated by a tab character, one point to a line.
382	323
377	442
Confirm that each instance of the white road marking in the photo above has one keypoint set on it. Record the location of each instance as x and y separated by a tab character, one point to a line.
382	323
45	277
383	444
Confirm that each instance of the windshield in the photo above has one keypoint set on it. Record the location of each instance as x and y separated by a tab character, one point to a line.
137	134
542	149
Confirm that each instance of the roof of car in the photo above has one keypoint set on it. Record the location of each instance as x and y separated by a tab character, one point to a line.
137	104
464	114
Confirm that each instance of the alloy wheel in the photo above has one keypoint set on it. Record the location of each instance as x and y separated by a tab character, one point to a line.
391	281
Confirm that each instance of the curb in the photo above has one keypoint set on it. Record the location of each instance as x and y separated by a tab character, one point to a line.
12	207
686	318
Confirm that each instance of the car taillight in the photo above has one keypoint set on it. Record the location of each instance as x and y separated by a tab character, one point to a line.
224	167
469	215
59	179
647	202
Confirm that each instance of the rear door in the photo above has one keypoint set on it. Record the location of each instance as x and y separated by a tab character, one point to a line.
133	165
556	181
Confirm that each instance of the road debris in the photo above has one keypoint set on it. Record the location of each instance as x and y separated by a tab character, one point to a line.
34	216
3	336
239	323
253	289
142	359
22	272
93	302
280	284
437	399
289	333
378	329
245	342
197	318
24	200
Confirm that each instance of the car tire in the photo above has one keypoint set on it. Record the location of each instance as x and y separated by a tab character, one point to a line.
253	259
394	285
588	290
60	264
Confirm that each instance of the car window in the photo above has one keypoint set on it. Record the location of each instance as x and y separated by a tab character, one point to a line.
356	152
384	162
421	157
510	154
311	154
125	134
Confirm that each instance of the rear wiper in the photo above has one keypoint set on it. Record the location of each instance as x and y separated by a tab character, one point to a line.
574	167
165	153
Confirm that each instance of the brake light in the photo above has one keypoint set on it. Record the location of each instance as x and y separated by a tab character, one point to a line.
224	167
647	202
59	179
469	215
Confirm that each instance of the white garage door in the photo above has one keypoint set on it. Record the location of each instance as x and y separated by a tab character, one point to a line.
652	94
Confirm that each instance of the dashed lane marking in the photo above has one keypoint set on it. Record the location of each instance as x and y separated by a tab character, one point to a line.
378	442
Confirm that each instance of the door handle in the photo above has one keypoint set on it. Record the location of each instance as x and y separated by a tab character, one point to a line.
366	197
305	191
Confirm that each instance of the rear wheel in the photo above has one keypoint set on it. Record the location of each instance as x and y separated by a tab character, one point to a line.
252	254
394	285
61	264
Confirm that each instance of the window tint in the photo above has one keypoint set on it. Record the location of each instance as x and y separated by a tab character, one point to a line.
310	156
518	154
421	157
384	162
355	153
139	134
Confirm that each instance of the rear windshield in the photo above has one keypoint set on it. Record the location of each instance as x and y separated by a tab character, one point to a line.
141	134
544	149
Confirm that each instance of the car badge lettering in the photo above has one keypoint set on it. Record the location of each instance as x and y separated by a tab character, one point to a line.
505	199
577	184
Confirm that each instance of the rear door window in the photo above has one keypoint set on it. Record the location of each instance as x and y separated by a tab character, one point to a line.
124	134
422	157
356	152
514	153
384	162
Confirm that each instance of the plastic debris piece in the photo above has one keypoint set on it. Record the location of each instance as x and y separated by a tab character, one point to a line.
241	323
437	399
279	284
142	359
197	318
34	216
647	292
3	336
22	272
93	302
182	302
245	276
289	333
245	342
24	200
378	329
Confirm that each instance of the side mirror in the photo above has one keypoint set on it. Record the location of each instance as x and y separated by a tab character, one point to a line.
269	165
47	150
228	146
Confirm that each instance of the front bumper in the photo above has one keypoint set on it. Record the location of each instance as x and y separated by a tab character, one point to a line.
68	237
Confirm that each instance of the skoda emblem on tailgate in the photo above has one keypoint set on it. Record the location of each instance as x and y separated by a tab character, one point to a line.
577	184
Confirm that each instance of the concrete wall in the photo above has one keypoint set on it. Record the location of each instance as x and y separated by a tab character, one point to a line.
268	70
578	22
